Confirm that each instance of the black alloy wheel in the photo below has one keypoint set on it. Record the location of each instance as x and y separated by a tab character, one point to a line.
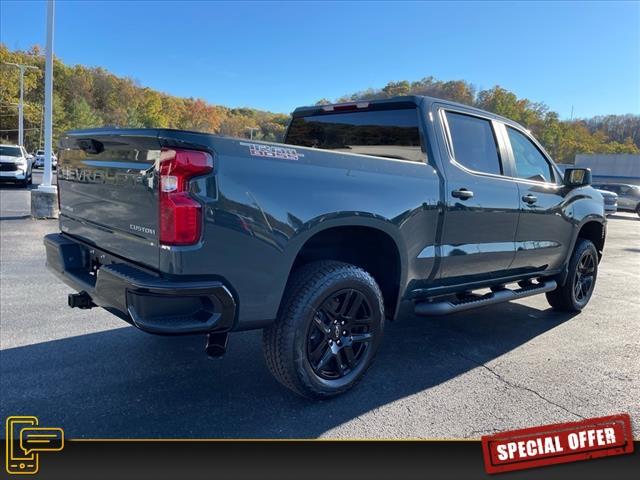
584	280
341	332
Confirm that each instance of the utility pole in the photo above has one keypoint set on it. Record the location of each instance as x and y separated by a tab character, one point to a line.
44	200
22	69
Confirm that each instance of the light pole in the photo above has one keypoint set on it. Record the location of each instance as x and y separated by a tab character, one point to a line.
251	130
48	101
44	200
22	69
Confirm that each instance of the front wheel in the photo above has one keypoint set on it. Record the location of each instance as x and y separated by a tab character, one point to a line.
328	329
574	295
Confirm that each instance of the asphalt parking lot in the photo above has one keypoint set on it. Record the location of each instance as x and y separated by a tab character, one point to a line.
498	368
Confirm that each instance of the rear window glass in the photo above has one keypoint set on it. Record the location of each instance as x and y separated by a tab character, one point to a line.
381	133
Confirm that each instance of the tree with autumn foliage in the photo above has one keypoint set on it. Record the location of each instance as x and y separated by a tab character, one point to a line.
92	97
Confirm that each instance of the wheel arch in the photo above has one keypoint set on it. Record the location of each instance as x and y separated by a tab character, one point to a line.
371	245
595	231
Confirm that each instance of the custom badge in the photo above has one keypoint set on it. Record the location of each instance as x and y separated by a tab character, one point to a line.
270	151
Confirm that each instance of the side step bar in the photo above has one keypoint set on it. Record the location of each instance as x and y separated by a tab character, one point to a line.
473	301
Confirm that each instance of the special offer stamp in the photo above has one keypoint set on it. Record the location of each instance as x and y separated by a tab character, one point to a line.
559	443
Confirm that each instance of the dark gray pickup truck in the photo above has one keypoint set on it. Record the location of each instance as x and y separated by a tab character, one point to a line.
319	239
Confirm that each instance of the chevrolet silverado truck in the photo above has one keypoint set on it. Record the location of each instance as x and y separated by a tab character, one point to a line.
319	239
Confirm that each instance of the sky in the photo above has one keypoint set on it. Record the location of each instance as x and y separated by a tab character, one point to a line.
580	56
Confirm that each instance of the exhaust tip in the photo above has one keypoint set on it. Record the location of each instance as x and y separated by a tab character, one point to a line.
216	344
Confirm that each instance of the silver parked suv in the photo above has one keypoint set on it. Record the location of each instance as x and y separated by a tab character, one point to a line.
628	195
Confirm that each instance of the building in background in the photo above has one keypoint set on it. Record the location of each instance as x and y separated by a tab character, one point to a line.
611	168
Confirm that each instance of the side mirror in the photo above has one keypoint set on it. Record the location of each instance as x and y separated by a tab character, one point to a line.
577	177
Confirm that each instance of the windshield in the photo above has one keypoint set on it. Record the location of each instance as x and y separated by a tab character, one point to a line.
390	133
40	152
10	151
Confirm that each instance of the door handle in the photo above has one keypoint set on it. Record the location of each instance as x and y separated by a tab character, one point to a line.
462	193
530	199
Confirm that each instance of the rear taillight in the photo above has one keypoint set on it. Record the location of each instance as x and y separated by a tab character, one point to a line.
180	214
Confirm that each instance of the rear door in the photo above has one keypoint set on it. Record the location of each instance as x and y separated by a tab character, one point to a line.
481	202
544	231
108	191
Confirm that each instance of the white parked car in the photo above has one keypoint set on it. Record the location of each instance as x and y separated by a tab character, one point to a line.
15	166
39	163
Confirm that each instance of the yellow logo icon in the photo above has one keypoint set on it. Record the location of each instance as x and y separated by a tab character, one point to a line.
25	441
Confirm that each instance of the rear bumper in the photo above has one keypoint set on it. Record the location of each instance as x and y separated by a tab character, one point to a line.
150	302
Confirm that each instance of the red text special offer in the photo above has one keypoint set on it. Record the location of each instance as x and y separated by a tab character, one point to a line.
559	443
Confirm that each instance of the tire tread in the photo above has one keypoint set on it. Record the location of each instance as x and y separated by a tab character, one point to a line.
561	298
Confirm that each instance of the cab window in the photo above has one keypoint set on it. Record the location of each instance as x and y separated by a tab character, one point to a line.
473	143
529	162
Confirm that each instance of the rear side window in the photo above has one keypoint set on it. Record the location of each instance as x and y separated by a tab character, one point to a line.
474	144
530	163
381	133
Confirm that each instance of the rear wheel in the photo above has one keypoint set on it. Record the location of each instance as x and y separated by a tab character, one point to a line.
574	295
328	330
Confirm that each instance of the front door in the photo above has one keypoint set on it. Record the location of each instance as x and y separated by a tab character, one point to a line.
481	203
545	230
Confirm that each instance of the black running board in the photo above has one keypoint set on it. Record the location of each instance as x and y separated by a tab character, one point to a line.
474	301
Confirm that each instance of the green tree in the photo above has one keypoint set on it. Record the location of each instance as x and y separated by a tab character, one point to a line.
81	115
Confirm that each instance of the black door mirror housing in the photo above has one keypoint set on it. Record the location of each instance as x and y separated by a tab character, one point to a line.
577	177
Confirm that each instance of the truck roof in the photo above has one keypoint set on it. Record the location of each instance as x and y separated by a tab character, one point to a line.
415	99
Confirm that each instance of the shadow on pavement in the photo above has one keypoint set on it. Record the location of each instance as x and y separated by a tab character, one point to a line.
125	383
16	217
16	186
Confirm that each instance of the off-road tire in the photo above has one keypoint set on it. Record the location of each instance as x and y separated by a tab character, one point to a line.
286	341
564	298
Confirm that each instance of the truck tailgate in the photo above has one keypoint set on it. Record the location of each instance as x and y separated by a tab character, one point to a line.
108	187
